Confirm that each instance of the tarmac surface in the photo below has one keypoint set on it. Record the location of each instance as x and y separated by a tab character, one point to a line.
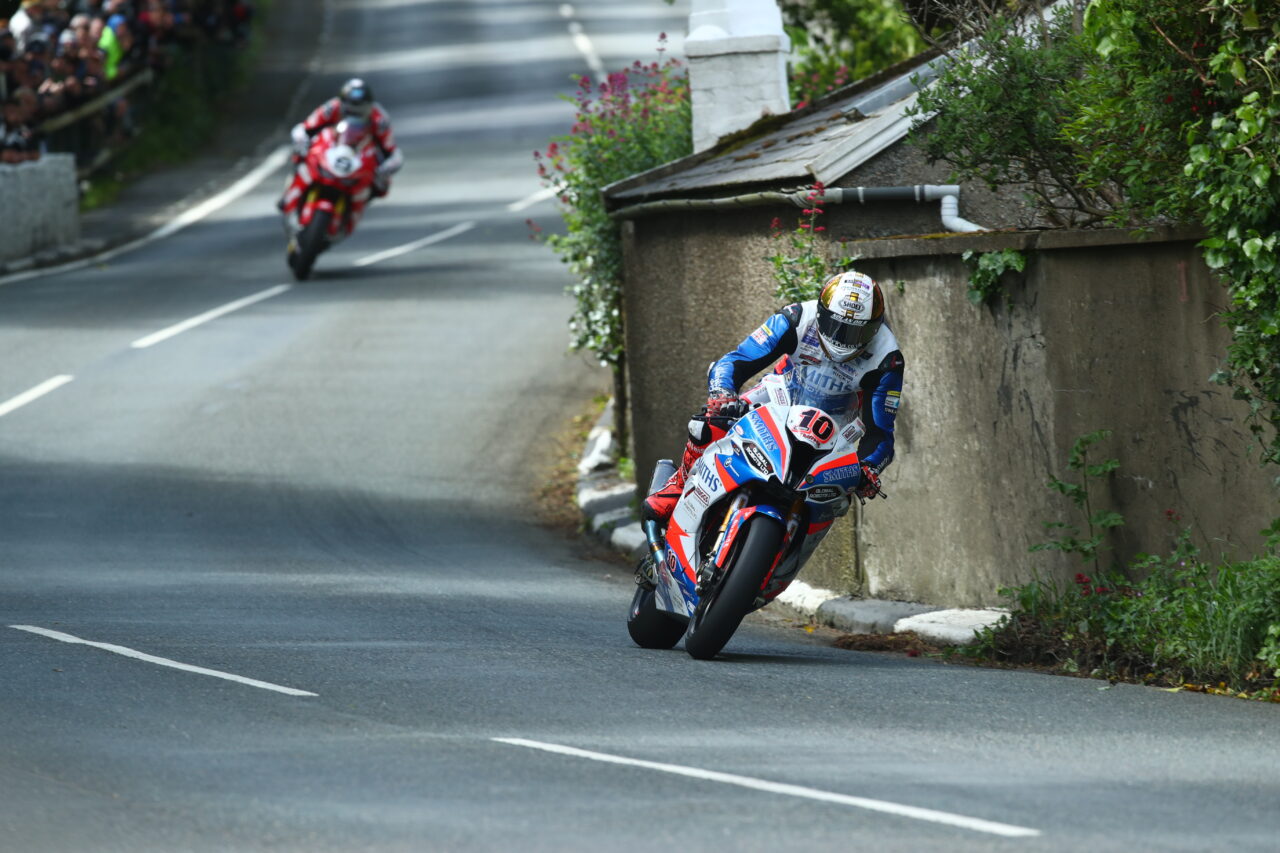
270	579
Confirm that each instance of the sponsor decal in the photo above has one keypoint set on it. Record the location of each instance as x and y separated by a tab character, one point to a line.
893	400
701	496
756	457
766	439
853	431
844	472
761	335
709	478
808	359
822	494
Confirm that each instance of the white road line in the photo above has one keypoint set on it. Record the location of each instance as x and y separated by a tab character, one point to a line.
460	228
914	812
178	328
273	161
33	393
143	656
587	49
530	200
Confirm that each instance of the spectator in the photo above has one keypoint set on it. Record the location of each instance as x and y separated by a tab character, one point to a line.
56	55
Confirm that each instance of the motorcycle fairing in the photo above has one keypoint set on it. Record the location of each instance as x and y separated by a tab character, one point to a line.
735	527
710	515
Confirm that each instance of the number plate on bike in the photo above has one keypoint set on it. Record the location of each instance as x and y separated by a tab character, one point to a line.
811	426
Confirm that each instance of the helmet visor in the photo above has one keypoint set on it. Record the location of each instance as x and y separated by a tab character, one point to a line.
356	109
847	333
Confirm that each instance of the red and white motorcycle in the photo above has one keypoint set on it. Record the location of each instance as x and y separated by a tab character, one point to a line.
331	186
754	508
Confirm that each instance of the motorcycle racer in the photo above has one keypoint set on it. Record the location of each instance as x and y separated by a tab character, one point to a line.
835	352
354	102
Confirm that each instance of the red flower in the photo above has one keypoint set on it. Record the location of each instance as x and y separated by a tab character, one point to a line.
1082	578
820	228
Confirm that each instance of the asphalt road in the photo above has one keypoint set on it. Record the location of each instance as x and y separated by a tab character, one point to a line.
322	500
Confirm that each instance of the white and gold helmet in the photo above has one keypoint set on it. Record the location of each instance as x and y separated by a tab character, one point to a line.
850	312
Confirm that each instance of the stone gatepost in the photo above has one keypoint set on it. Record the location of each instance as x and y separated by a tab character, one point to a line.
737	52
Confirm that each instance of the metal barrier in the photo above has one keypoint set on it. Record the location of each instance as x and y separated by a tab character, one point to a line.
83	130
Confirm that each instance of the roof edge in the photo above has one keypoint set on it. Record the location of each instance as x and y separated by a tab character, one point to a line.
760	127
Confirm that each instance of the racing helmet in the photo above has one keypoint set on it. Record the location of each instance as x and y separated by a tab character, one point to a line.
850	312
357	98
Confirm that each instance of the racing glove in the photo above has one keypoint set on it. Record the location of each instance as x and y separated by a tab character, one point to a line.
301	139
869	487
718	400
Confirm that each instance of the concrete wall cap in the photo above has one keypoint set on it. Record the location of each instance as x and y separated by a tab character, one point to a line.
704	42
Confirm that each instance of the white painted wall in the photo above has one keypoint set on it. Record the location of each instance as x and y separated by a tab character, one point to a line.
737	53
45	193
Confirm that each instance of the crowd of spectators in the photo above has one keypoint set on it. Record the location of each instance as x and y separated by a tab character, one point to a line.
56	55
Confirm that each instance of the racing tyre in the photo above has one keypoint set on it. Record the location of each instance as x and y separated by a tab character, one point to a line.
311	243
650	627
721	610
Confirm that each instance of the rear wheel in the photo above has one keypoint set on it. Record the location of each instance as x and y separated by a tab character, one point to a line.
310	243
722	609
650	627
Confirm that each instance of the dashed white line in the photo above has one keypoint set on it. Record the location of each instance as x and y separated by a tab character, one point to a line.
460	228
173	664
914	812
530	200
587	49
178	328
33	393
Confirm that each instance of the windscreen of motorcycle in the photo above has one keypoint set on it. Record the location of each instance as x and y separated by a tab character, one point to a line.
342	161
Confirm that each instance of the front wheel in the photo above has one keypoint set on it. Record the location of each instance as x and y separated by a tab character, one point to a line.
311	241
723	608
650	627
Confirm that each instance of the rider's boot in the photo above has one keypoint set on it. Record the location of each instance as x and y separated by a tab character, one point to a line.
659	505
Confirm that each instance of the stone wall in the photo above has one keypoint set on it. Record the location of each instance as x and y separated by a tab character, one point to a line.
1101	331
43	203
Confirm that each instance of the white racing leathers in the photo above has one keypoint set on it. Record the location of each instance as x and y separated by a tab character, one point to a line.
862	394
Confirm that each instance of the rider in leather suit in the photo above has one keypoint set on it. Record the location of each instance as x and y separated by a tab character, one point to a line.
836	352
355	101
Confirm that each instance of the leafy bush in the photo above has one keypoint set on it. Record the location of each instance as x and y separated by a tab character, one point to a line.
635	120
802	270
837	41
1171	619
1140	112
987	269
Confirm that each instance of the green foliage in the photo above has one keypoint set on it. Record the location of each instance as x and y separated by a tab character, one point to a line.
802	270
1152	111
635	120
1185	620
1070	540
837	41
998	114
986	269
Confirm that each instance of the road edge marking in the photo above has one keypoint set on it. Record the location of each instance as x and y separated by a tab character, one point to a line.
173	664
242	186
915	812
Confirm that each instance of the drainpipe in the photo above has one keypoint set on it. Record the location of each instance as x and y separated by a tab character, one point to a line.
947	194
